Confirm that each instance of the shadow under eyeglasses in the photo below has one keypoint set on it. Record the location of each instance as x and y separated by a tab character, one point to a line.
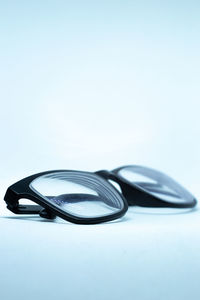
58	220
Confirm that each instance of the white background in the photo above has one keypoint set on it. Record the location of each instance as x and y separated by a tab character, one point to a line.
95	85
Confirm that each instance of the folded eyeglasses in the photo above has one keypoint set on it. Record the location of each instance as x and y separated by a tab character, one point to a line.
91	198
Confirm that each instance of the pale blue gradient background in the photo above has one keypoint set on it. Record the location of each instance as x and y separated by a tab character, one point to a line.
90	85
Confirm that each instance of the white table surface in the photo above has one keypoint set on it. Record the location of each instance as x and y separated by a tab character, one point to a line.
148	254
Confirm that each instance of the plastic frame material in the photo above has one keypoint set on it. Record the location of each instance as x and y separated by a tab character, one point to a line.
131	194
45	209
136	195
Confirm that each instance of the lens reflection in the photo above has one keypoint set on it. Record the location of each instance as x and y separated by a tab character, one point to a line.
81	194
155	183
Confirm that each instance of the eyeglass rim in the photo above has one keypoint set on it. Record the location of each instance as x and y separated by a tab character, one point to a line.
153	200
21	189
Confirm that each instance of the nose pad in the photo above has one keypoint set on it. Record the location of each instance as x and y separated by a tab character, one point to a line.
47	214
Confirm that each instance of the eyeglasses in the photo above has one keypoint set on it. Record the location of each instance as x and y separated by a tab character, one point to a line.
91	198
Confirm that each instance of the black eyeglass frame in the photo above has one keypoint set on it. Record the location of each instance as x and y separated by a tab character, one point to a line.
21	189
137	196
131	195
